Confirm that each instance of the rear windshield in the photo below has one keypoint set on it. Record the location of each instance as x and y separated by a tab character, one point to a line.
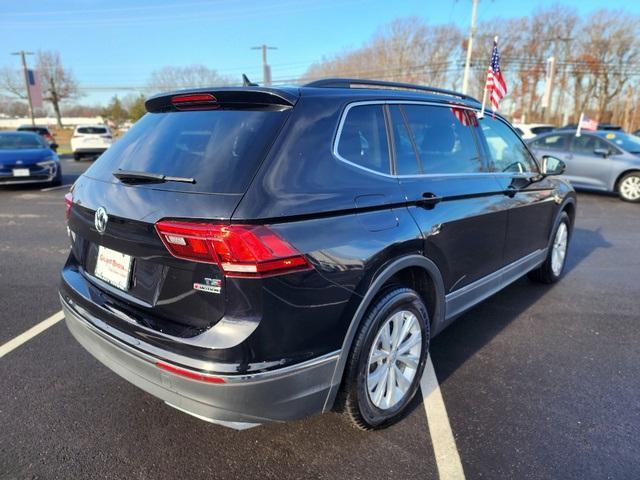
92	130
40	130
220	149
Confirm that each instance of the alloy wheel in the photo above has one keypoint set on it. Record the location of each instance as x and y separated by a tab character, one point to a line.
559	249
630	188
394	359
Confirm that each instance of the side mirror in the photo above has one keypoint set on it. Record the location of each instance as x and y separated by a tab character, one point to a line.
552	165
603	152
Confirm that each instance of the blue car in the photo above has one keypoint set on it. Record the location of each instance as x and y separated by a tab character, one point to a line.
26	158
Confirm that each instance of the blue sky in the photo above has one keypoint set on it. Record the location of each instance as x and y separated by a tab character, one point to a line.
118	43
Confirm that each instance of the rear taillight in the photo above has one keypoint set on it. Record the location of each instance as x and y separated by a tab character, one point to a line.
239	250
68	201
48	136
195	101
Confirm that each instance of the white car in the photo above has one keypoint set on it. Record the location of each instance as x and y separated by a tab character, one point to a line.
90	140
530	130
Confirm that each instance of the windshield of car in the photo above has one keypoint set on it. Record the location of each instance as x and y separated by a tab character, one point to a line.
220	149
627	142
13	141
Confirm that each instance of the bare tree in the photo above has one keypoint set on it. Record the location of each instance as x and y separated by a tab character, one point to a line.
174	78
12	82
58	83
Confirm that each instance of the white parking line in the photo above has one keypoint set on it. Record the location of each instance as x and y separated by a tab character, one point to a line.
444	444
29	334
59	187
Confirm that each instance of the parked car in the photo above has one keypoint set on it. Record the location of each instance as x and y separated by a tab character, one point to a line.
530	130
637	133
263	254
604	160
601	126
90	141
43	131
26	158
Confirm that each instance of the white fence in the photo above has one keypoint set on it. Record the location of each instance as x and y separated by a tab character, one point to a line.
12	123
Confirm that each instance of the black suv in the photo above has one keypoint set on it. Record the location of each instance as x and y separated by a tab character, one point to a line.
263	254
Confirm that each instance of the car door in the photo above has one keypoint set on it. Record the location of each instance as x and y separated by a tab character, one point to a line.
587	168
456	203
529	196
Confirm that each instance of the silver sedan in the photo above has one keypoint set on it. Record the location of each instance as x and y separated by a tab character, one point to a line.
602	160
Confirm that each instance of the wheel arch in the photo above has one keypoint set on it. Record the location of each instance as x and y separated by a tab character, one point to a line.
402	271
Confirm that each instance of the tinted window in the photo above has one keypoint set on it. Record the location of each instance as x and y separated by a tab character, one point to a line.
540	130
506	150
444	139
363	139
20	141
551	142
220	149
92	130
40	130
405	154
586	144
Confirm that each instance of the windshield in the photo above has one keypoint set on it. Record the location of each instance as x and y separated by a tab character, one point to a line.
627	142
13	141
220	149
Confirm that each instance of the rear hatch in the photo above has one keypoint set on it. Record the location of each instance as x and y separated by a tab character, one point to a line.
188	162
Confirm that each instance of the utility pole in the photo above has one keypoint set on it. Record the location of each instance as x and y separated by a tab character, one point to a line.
472	32
22	54
626	122
266	69
548	88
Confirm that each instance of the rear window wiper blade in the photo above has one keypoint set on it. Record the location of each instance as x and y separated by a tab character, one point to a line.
131	177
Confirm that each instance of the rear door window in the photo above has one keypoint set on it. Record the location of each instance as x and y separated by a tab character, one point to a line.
444	139
363	138
404	148
587	144
220	149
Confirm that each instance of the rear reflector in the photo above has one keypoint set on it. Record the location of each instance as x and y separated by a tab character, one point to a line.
194	101
68	201
239	250
192	374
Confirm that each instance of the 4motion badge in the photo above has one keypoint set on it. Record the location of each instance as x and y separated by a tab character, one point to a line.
210	285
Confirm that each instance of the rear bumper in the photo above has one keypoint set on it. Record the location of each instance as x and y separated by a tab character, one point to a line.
90	151
240	402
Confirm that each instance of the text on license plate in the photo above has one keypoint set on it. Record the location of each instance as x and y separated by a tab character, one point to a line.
113	267
20	172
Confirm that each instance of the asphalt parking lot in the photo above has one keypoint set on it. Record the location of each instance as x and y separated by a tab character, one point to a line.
537	382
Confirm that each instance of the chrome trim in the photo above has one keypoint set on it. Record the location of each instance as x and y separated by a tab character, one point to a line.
150	353
470	295
343	116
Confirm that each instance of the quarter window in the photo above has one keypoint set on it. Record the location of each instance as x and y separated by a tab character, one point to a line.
444	139
363	139
506	150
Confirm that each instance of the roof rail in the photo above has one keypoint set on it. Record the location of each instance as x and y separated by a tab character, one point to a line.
362	83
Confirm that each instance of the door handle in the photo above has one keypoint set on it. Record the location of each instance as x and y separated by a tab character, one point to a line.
511	191
429	200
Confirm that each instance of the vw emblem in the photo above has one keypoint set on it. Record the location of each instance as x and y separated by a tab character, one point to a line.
100	220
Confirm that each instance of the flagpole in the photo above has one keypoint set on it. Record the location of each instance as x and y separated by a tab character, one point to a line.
579	125
484	94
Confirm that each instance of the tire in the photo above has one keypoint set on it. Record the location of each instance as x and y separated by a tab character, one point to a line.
551	271
629	187
370	405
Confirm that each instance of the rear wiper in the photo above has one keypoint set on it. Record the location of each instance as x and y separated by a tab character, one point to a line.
131	177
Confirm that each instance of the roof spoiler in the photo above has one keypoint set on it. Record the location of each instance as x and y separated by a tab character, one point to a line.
228	97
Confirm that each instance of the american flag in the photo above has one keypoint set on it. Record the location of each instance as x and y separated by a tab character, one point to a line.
496	85
587	123
34	88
